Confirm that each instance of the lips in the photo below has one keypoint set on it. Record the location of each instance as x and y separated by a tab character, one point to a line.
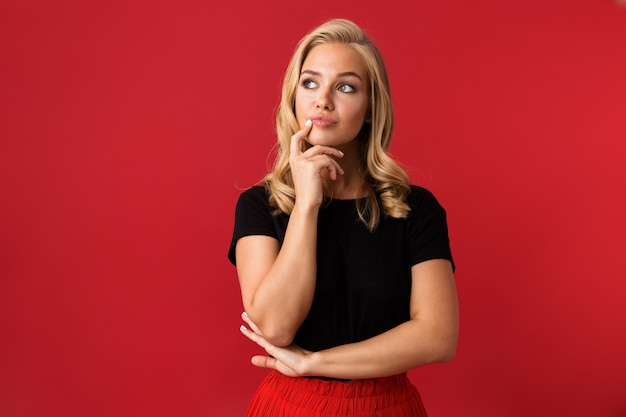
322	121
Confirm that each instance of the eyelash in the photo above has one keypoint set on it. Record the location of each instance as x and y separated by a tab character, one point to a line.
307	81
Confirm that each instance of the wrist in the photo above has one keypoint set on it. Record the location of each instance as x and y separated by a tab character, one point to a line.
313	364
305	208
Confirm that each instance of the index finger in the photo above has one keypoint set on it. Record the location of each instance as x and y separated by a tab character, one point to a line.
299	136
250	323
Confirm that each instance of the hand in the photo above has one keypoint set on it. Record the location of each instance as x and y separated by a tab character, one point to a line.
310	168
290	360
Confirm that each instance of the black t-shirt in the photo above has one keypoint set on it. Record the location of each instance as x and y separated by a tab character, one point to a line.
363	278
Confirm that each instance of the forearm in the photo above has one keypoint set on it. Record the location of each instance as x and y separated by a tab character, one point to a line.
407	346
284	296
429	336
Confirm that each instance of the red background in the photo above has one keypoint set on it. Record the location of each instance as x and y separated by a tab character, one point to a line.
128	130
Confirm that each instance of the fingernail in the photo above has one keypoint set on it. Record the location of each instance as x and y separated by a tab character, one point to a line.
242	327
342	154
244	314
307	123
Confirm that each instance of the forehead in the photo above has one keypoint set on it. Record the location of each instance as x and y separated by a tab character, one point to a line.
334	58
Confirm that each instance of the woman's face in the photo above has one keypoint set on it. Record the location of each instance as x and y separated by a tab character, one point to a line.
333	93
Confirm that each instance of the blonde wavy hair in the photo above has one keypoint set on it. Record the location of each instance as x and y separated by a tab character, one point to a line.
386	184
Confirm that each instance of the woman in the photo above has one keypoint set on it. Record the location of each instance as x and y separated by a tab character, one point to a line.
345	268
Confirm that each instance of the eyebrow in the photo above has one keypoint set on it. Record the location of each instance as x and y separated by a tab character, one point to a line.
341	74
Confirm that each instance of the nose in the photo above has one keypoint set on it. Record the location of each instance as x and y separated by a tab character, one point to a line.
324	99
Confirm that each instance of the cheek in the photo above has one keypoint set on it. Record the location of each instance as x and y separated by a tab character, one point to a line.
301	108
358	114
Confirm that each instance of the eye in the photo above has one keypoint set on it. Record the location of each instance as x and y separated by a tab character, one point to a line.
346	88
308	83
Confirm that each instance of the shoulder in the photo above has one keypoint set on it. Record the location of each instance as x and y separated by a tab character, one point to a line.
420	199
256	195
255	192
427	227
253	205
253	216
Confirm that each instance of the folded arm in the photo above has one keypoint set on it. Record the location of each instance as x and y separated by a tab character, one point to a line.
429	336
277	285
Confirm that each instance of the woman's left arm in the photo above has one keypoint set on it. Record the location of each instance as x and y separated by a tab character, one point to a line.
429	336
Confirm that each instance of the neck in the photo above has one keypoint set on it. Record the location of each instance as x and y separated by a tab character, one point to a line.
349	185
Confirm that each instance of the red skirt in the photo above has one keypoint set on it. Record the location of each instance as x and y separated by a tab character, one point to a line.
283	396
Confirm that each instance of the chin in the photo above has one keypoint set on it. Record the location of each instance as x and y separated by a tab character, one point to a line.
324	141
317	141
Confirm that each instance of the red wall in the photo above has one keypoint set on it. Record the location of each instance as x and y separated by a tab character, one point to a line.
127	130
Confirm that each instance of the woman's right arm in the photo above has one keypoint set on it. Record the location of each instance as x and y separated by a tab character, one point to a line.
277	283
277	286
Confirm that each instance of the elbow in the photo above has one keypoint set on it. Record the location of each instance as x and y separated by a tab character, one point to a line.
447	353
446	350
446	339
277	332
441	354
277	335
280	339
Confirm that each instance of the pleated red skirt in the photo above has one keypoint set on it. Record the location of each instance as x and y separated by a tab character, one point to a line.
283	396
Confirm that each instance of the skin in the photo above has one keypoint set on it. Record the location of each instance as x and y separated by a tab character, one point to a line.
277	284
430	336
332	93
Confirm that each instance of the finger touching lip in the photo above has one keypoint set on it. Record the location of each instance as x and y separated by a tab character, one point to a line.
322	121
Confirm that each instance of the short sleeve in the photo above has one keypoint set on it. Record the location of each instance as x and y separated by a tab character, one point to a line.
253	216
428	228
